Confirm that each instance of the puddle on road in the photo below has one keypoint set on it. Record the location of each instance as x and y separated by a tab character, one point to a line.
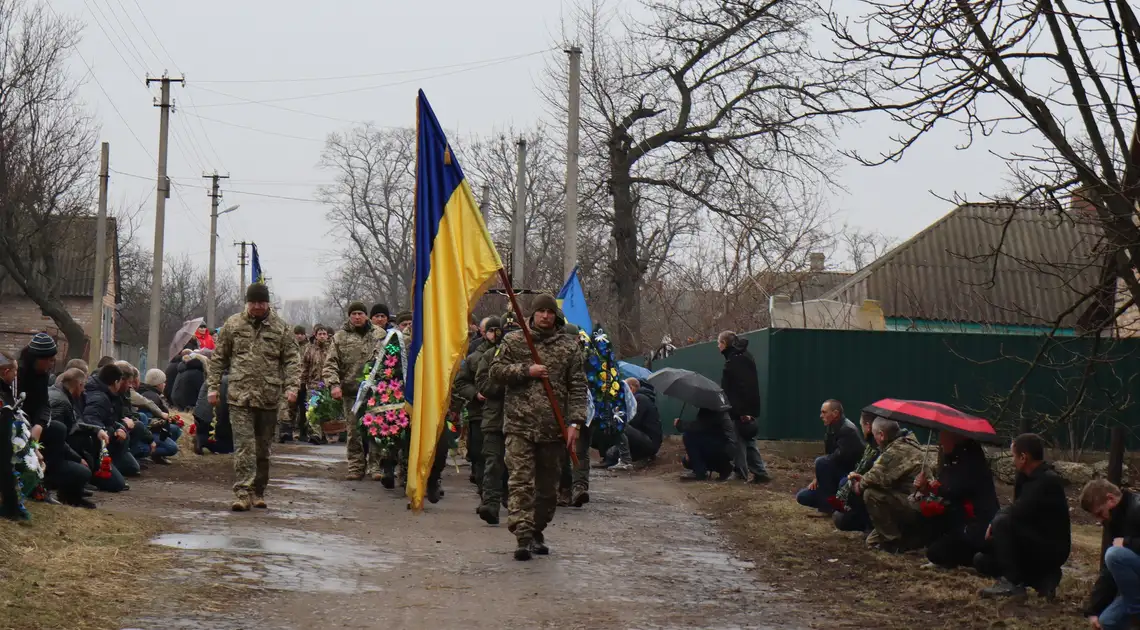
309	460
282	559
196	622
311	485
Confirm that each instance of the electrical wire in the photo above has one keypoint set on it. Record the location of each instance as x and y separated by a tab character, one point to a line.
284	197
248	128
111	40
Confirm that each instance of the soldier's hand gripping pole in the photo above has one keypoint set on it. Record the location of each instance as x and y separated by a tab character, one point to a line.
538	361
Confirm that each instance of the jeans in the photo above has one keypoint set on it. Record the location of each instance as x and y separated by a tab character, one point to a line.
827	479
174	431
165	447
122	458
706	453
748	459
1124	565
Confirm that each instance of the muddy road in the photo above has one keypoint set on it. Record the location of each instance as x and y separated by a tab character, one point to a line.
346	555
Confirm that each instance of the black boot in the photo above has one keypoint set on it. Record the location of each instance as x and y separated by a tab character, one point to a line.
538	545
434	492
522	553
489	514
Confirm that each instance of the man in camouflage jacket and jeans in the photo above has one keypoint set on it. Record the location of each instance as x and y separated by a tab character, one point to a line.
257	350
351	348
535	445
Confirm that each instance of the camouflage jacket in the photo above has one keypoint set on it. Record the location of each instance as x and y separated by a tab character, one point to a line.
492	391
897	466
526	409
313	365
349	350
463	389
260	357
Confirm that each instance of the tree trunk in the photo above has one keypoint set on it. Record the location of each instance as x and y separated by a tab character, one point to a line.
626	268
76	336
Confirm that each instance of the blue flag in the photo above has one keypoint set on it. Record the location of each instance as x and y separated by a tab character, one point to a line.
256	276
572	301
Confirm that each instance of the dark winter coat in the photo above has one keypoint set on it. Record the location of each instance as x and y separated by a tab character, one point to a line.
1124	523
647	419
152	394
966	477
34	386
172	373
191	375
1040	514
62	407
56	448
843	443
716	424
7	398
740	381
204	415
101	408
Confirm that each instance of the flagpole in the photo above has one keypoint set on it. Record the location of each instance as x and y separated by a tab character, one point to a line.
538	361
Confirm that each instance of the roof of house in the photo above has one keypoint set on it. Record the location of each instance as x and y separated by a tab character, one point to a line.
985	263
75	260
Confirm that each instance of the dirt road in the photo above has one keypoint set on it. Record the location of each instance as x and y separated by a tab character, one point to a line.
344	555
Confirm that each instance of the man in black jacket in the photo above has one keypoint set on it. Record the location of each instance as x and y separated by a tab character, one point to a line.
741	385
68	471
1114	601
843	447
710	442
102	407
1030	539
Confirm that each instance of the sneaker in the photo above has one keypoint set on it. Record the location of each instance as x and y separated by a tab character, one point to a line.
51	499
488	513
522	553
1003	588
241	504
259	502
563	498
622	466
538	545
159	459
580	498
693	477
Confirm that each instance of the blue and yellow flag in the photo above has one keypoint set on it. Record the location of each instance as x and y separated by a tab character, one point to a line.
256	275
572	301
455	261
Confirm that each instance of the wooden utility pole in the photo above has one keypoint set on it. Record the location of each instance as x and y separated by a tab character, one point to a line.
518	225
211	290
242	261
99	290
154	353
570	252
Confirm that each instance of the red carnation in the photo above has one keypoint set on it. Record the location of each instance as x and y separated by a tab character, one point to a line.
930	509
836	504
968	508
104	471
193	429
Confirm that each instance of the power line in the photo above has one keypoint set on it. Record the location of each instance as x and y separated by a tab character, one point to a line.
155	33
111	40
286	198
126	37
374	74
142	37
248	128
282	107
366	87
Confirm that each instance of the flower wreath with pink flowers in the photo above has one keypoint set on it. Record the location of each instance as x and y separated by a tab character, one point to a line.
386	417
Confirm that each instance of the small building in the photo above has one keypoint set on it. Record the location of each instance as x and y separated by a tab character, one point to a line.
74	259
986	267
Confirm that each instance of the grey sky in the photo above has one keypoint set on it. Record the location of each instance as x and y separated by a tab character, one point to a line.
241	41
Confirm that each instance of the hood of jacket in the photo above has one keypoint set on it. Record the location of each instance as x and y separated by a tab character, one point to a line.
739	347
193	362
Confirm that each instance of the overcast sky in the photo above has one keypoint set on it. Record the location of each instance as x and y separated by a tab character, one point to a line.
479	62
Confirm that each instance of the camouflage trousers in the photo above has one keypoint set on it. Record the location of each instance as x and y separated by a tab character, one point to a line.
893	515
291	418
359	462
253	431
535	468
494	481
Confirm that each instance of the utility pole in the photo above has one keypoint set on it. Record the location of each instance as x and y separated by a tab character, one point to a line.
162	192
485	202
570	253
211	290
241	261
518	226
100	288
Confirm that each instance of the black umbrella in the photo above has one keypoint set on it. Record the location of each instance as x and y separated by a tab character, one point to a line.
690	388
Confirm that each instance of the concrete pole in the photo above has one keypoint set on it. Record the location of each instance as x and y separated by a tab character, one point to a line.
241	261
485	203
570	253
155	356
518	226
99	290
211	289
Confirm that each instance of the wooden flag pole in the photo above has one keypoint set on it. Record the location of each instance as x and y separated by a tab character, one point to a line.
538	361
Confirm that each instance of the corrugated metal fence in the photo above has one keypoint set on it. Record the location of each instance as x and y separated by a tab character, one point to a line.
799	369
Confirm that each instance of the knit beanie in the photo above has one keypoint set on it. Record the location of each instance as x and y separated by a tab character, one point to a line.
42	346
300	330
257	292
544	302
404	316
493	323
357	306
379	309
155	377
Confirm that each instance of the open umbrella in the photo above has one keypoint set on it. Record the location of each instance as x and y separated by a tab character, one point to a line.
629	370
935	416
689	387
184	335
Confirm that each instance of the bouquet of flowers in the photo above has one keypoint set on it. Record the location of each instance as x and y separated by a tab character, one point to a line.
932	504
104	471
608	401
385	417
322	408
26	464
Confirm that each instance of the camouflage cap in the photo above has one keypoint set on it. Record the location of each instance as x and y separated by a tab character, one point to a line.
403	316
355	307
299	330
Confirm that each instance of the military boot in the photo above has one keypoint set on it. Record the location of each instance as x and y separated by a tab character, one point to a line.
522	553
564	497
488	513
538	545
580	497
259	501
434	492
241	503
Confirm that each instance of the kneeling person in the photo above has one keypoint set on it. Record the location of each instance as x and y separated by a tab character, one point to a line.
1115	599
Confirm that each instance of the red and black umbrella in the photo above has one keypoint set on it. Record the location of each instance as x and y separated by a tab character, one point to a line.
935	416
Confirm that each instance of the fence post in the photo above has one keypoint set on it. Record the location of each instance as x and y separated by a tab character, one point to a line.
1115	475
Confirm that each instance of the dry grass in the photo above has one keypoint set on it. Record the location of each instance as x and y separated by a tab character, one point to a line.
75	569
796	550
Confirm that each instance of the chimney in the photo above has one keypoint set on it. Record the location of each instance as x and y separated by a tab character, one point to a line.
817	259
1081	205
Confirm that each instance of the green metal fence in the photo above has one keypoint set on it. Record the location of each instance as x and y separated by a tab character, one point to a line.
799	369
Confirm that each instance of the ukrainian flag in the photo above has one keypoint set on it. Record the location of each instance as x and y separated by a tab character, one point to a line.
455	261
256	274
572	300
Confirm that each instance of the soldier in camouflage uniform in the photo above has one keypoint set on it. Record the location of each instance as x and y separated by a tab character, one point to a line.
257	351
291	416
887	486
351	348
535	445
312	374
464	395
494	471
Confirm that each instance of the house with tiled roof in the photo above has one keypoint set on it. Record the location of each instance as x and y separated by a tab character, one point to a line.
74	259
988	267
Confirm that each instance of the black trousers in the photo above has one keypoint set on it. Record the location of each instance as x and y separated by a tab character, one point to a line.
475	450
9	492
953	549
1018	560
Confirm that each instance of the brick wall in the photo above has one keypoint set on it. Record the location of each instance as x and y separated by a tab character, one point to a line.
20	318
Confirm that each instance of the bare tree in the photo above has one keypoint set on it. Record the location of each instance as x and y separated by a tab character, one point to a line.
693	98
46	149
372	204
863	247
